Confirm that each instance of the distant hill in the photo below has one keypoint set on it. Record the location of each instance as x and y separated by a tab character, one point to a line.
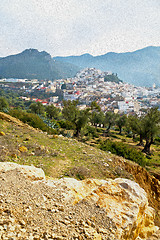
141	67
34	64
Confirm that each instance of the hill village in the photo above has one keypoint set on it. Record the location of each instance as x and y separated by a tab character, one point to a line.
88	85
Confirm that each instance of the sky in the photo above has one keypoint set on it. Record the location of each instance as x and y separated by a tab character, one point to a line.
75	27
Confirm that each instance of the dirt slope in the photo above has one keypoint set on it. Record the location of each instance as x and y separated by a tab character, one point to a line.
67	157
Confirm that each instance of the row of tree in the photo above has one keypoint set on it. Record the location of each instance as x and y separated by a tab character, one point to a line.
147	126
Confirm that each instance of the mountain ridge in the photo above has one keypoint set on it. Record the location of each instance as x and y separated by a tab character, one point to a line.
111	52
141	67
34	64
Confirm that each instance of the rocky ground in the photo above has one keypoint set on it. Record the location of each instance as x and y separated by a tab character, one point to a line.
33	208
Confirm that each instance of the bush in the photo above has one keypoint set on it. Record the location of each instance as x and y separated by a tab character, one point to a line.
124	150
29	118
91	131
79	172
66	124
157	139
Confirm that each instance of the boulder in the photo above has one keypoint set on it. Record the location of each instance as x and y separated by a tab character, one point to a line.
66	208
123	200
30	172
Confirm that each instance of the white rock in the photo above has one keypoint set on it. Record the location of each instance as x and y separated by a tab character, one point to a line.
29	171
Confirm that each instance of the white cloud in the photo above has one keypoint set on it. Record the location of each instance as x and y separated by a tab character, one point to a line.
77	26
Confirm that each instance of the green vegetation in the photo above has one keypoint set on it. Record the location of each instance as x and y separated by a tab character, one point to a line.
151	127
122	149
29	118
52	112
37	108
112	78
140	134
13	99
77	117
33	64
121	122
147	127
109	121
57	156
3	104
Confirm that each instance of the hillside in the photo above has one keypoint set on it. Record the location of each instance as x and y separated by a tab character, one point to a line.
141	67
33	64
66	157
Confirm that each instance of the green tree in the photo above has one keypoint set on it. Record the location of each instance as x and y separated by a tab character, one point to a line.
137	127
147	127
52	112
3	104
70	110
37	108
121	122
77	117
109	121
97	118
151	128
112	78
95	106
81	121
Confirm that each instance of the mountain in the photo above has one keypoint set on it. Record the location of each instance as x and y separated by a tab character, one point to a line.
34	64
141	67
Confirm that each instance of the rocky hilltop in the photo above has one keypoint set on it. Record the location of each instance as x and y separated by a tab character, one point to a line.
33	207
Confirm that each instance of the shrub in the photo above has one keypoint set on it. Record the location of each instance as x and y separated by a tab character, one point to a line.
91	131
79	172
29	118
122	149
66	124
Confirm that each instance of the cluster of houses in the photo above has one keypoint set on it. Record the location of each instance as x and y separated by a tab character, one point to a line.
90	85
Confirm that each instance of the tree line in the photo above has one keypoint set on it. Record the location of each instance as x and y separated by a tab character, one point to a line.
146	126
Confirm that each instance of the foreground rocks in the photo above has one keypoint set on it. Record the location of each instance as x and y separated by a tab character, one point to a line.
32	207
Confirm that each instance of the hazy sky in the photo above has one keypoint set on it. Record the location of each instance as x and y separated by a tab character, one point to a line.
74	27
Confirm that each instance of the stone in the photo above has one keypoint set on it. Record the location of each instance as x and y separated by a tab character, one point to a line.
29	171
2	134
23	149
13	155
92	209
61	208
123	200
